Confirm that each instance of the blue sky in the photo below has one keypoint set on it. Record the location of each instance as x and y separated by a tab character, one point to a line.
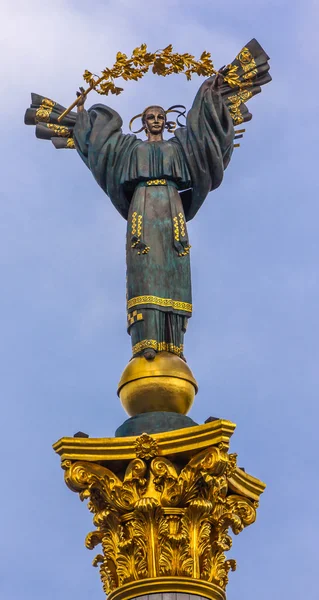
253	340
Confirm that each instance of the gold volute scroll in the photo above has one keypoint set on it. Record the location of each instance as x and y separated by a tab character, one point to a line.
164	525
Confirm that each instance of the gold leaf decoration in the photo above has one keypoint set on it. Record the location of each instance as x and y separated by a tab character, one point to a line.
162	62
145	446
160	519
60	130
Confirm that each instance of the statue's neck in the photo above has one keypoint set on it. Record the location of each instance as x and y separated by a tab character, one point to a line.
154	137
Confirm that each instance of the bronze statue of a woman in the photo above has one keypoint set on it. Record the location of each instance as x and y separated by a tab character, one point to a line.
158	185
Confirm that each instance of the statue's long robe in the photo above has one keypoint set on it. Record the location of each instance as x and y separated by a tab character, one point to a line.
157	186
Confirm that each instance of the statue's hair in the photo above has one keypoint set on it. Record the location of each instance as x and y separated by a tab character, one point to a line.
169	125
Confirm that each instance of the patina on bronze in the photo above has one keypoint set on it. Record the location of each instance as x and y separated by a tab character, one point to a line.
158	185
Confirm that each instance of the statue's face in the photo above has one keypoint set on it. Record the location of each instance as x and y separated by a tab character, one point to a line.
154	119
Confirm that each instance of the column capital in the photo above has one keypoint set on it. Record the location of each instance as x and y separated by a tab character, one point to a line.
162	520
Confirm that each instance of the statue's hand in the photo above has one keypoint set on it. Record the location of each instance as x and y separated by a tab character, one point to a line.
82	99
219	79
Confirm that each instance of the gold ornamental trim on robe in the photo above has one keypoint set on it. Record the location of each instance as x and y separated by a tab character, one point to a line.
44	111
158	346
165	302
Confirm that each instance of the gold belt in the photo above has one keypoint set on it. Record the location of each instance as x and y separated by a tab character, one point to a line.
150	182
156	182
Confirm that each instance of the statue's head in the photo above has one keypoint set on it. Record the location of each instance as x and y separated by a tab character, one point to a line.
154	119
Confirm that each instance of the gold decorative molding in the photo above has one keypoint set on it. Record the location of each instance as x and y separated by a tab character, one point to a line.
146	447
178	443
168	584
165	523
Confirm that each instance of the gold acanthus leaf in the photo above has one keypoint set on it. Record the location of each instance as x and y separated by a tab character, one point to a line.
159	519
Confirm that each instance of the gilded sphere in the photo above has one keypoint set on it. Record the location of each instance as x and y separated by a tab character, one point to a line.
163	384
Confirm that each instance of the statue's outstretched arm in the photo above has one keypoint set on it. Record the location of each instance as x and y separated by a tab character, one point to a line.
248	72
44	113
209	136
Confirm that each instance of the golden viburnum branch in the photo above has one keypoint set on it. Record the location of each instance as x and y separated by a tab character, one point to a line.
162	62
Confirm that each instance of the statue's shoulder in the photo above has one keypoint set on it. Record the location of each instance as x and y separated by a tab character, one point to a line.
106	112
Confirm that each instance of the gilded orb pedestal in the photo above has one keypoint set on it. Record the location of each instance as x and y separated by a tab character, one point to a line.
165	383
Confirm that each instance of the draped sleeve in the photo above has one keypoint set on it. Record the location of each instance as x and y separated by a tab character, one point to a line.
207	142
204	147
105	150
